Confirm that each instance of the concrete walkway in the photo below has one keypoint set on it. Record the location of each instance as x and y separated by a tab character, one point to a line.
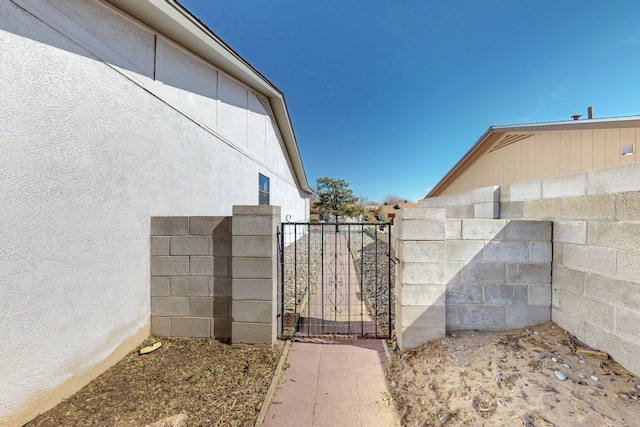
333	383
337	304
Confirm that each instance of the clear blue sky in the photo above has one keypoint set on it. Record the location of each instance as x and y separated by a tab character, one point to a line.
388	95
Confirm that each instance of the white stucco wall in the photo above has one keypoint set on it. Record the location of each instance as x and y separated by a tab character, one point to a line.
89	151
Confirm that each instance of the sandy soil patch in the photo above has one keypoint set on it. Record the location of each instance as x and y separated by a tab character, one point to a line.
514	378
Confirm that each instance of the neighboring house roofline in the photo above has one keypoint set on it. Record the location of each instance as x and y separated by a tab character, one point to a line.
494	133
386	209
174	21
407	205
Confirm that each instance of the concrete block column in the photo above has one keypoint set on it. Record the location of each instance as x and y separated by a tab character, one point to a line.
190	278
254	267
420	276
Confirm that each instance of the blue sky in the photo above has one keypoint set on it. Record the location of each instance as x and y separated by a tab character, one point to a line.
388	95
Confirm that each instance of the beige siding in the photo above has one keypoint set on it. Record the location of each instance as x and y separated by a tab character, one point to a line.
548	154
576	152
586	142
627	137
612	156
598	153
565	150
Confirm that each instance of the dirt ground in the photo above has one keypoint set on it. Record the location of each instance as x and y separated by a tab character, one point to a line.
509	379
213	383
468	378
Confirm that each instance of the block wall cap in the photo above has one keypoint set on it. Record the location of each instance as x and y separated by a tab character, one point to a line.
421	213
256	210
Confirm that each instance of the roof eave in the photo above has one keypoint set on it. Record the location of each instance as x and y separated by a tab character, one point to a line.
474	152
495	132
620	122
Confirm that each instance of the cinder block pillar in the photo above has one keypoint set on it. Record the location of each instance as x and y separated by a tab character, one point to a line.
420	276
254	267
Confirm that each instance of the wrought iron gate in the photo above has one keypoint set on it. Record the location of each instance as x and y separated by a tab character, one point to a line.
336	279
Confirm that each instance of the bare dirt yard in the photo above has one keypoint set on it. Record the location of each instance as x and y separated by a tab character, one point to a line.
539	376
514	378
214	384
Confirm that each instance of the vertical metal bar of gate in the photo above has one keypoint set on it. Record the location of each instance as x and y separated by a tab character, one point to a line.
362	279
322	279
331	293
295	274
309	290
348	280
389	282
375	281
282	285
335	276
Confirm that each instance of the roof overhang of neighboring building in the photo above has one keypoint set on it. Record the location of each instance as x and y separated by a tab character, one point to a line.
497	136
385	210
174	21
405	205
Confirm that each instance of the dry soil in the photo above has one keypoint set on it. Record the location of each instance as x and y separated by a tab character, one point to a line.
213	383
513	378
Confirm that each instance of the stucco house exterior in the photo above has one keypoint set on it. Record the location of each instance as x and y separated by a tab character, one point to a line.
584	177
111	113
386	213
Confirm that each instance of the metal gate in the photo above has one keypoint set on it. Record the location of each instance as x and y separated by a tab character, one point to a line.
336	279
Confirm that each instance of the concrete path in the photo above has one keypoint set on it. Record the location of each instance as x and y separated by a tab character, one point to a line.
337	305
333	383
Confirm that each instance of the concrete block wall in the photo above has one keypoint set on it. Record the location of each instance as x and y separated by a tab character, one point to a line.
498	273
469	274
479	203
191	276
255	275
596	253
420	276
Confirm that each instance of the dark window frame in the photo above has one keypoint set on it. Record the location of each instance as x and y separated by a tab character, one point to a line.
264	190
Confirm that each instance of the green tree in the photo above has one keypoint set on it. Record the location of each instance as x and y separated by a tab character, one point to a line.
334	197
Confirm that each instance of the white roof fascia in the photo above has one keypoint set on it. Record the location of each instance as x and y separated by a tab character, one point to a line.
622	122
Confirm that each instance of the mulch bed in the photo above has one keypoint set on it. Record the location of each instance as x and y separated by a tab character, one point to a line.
213	383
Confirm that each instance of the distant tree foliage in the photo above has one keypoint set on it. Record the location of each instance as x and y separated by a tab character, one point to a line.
353	211
392	199
364	201
335	198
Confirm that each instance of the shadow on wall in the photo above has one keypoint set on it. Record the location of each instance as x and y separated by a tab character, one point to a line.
95	31
481	274
191	276
507	283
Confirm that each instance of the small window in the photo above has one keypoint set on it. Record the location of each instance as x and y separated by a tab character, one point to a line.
263	190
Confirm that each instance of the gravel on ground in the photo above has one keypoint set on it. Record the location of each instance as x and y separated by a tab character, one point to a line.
374	261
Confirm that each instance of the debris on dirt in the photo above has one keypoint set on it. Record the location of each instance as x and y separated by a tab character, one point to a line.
150	348
174	421
214	384
512	378
593	353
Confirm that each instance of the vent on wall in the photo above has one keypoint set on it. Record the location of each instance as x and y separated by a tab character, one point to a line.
509	139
